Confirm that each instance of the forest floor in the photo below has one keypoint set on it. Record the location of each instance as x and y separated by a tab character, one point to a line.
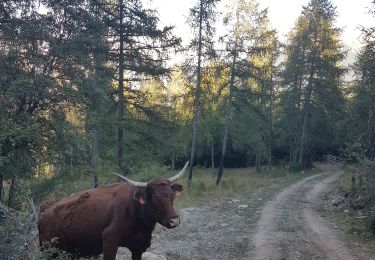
280	221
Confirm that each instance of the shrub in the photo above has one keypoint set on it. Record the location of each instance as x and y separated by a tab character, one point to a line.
371	219
51	252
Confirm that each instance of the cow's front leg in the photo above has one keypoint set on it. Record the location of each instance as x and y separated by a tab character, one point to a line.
136	255
110	243
109	250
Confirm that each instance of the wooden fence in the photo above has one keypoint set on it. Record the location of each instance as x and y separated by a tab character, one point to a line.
333	159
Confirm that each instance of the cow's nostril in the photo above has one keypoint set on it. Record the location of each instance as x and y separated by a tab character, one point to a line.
174	221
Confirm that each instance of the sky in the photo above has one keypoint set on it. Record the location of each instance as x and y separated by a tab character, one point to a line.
283	13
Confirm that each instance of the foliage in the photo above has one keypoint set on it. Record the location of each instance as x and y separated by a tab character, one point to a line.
79	80
361	121
312	100
201	20
17	233
50	252
259	102
249	57
357	186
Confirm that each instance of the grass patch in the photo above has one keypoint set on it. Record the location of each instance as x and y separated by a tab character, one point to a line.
202	189
354	223
234	181
355	228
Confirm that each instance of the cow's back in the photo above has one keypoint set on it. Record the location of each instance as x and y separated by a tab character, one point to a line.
78	221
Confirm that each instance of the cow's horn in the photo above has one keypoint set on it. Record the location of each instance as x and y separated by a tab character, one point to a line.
179	175
130	182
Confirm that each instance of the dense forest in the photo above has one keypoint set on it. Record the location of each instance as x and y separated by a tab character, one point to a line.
90	87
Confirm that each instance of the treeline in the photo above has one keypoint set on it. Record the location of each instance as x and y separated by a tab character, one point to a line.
85	88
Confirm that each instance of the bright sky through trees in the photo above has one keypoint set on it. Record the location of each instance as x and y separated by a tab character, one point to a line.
282	13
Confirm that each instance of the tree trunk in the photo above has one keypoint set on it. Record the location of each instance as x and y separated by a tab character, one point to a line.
60	163
173	167
306	112
294	148
1	187
306	106
94	156
205	162
229	104
120	106
212	155
270	125
11	192
227	119
71	160
258	164
5	148
370	135
197	95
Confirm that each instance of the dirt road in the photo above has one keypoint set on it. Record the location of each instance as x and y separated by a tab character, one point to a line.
281	221
291	227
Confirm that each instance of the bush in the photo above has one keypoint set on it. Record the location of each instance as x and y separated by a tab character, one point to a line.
371	219
150	171
17	233
51	252
359	188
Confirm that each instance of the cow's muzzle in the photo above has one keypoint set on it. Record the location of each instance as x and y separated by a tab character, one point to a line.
173	222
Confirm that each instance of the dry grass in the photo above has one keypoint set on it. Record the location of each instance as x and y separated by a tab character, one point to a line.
352	223
203	186
234	181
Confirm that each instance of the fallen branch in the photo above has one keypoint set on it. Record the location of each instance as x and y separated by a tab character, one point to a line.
34	215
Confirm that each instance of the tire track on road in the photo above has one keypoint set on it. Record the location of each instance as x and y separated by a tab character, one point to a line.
291	227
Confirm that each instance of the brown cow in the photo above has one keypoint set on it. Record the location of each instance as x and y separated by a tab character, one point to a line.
100	220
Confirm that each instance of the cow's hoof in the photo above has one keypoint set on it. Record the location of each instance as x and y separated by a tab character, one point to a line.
151	256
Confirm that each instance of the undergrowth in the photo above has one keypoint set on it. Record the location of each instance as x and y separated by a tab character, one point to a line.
353	203
44	188
203	188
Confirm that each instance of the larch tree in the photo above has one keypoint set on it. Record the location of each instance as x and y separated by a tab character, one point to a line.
247	31
46	59
201	19
139	49
312	80
360	124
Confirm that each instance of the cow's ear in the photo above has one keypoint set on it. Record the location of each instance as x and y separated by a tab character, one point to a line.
177	188
139	195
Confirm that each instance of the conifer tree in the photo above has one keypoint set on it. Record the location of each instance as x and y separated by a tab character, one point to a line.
360	124
46	61
245	40
201	20
139	49
312	79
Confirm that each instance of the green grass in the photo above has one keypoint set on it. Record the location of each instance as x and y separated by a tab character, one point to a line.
345	180
355	229
202	189
355	226
234	181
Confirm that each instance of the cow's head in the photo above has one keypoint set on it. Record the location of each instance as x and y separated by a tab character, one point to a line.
157	197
